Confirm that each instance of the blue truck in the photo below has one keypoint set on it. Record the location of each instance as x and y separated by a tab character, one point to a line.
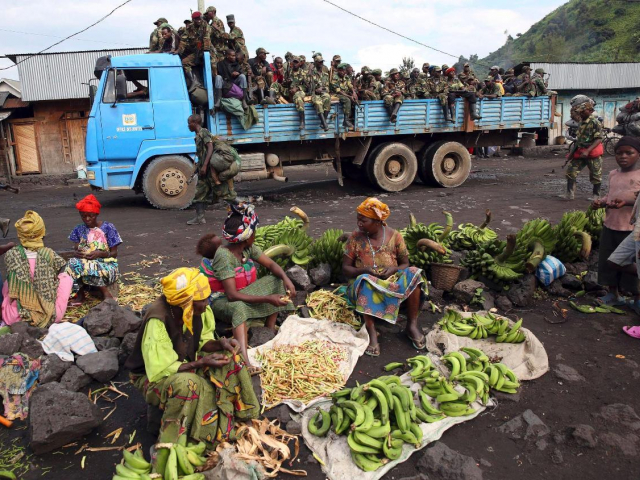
137	135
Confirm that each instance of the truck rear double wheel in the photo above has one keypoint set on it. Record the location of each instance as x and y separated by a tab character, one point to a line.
391	167
164	182
444	164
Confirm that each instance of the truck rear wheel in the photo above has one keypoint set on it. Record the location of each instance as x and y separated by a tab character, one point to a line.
445	164
392	167
164	182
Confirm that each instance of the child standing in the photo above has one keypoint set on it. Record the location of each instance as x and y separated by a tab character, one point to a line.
624	183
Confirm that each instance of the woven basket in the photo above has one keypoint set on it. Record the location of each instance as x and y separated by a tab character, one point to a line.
444	276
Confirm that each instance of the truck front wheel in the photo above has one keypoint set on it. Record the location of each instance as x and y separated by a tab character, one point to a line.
445	164
392	167
164	182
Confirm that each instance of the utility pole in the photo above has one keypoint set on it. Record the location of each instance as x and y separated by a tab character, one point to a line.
201	6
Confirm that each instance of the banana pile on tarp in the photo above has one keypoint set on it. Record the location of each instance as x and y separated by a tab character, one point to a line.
480	326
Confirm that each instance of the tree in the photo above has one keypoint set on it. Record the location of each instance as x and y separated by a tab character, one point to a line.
408	64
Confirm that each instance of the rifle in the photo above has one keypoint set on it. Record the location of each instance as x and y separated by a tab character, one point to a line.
9	188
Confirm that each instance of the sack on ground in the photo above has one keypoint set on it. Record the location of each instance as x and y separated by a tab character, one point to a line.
549	270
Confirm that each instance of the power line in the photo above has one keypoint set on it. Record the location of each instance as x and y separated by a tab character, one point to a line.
56	36
70	36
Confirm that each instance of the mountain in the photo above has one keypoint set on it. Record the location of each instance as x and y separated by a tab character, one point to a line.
578	31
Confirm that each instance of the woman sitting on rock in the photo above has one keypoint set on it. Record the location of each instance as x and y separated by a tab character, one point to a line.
199	382
238	295
96	249
36	291
377	262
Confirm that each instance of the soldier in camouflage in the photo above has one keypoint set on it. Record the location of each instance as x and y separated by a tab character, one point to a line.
294	87
439	88
236	37
193	44
155	39
466	73
539	87
458	89
318	84
393	93
217	166
417	85
377	74
333	69
181	30
342	87
425	72
368	85
219	37
490	89
589	136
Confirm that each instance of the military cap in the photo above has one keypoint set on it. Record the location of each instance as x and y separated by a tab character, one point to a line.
160	20
540	71
261	50
449	70
416	70
526	67
425	65
393	71
302	58
377	71
315	54
445	67
342	66
231	18
495	67
466	65
336	57
211	9
348	65
318	57
196	14
187	21
437	69
365	69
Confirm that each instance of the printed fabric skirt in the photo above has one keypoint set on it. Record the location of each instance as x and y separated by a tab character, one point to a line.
96	273
237	313
202	404
382	298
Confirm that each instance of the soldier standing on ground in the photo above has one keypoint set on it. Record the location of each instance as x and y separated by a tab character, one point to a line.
193	44
318	85
394	92
217	166
155	38
342	87
588	138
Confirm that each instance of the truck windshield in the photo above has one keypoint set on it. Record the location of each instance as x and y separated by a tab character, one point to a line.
109	95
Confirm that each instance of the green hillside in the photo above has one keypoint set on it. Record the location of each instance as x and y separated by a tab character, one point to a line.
578	31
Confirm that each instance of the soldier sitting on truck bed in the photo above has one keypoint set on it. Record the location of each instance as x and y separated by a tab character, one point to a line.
342	87
193	44
490	89
318	86
230	74
393	94
439	88
262	73
457	89
294	85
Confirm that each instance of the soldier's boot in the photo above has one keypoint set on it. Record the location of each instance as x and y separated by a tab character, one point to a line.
596	191
218	98
452	111
394	112
326	115
260	93
188	76
245	93
199	218
323	122
302	123
347	122
571	189
445	110
473	109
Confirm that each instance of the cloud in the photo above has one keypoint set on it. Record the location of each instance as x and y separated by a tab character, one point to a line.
454	26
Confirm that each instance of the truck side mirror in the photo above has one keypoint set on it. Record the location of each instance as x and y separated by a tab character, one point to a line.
92	94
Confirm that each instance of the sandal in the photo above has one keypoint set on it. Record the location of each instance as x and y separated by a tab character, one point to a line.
373	350
634	305
632	331
253	370
420	344
611	300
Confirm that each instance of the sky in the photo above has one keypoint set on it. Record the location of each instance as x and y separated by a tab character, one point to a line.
457	27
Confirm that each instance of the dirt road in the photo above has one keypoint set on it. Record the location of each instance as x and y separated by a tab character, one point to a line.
516	190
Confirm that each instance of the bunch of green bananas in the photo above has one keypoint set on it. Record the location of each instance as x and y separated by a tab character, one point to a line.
293	245
134	466
595	220
425	243
478	326
572	240
482	257
469	236
329	248
533	242
501	378
179	460
268	235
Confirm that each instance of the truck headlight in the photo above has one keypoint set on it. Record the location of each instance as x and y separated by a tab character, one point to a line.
91	175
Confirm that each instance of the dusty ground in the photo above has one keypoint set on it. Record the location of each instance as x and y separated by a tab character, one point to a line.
516	190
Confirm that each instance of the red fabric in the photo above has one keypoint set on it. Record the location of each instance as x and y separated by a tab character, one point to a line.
196	15
277	76
450	69
244	278
89	204
595	153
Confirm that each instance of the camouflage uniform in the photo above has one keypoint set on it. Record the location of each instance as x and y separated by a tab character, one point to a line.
219	38
343	88
390	88
193	44
466	76
155	39
589	131
223	161
369	88
491	89
296	79
236	41
319	79
438	88
417	87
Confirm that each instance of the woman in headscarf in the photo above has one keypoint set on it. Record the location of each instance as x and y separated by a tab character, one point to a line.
96	245
199	382
238	295
376	261
36	291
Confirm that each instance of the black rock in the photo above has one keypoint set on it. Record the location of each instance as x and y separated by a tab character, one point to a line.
105	343
584	435
503	303
556	456
435	295
126	347
74	379
489	301
28	330
11	343
31	347
527	425
321	275
521	293
52	369
571	282
260	335
293	427
565	372
439	462
124	321
621	414
576	268
627	444
58	417
557	289
300	278
97	321
590	281
102	366
465	291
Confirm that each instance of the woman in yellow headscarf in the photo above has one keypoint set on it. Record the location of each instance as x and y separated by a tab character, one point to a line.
376	261
35	291
198	381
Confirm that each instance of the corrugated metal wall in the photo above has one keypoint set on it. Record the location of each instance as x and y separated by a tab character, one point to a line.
591	76
59	76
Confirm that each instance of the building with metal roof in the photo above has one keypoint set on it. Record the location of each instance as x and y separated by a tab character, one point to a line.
611	85
61	75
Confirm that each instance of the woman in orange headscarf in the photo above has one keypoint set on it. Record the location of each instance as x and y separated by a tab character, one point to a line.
376	261
96	245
